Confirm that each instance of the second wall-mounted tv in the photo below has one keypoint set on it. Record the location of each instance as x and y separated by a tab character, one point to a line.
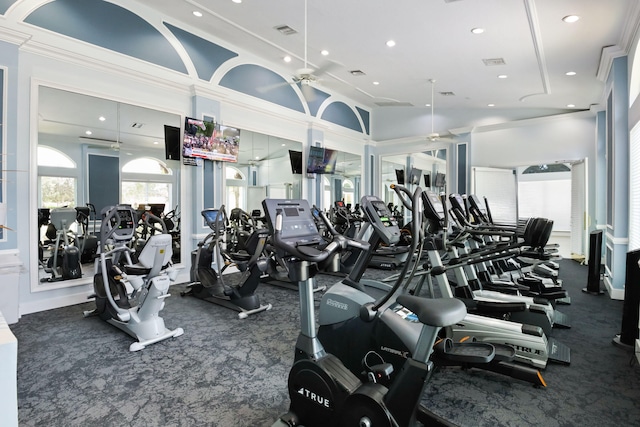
414	176
322	160
295	157
440	180
208	140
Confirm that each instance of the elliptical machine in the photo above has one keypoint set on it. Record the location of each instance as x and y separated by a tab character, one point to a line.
134	312
322	390
207	282
64	262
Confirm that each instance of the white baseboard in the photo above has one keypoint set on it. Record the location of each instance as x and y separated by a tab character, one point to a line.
51	303
614	293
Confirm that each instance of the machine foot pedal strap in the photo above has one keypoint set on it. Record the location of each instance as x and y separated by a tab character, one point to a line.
564	301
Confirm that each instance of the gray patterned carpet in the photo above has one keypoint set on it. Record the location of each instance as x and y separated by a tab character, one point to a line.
75	371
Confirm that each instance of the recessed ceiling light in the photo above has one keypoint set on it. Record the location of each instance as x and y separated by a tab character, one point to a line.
155	143
477	30
324	52
376	83
571	105
502	76
237	1
197	13
102	118
570	73
88	132
284	145
491	105
570	18
287	58
257	157
427	105
391	43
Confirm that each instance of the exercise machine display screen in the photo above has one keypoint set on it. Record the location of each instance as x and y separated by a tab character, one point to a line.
383	213
298	225
433	208
211	216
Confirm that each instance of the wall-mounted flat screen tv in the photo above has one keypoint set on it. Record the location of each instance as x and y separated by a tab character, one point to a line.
208	140
295	157
440	180
400	176
414	176
427	180
322	160
171	142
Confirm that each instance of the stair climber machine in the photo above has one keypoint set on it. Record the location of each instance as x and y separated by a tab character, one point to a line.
362	337
137	311
64	262
532	345
323	392
210	260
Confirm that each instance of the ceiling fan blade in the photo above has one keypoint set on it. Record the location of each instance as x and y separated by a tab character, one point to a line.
267	88
307	91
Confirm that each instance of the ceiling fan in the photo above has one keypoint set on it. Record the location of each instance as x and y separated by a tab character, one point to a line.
435	136
306	76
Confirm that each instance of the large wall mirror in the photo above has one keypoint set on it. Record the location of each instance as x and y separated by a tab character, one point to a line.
268	166
344	184
428	170
92	153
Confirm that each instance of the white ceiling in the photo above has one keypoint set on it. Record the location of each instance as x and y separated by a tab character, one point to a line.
433	41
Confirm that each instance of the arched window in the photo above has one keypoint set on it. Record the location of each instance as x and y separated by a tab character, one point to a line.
147	180
348	192
57	178
50	157
236	185
147	165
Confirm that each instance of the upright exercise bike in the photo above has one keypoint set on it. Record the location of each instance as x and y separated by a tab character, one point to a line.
134	312
322	390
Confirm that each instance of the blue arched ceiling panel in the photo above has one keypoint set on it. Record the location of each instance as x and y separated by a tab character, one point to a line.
5	5
262	83
110	26
364	115
318	98
341	114
206	56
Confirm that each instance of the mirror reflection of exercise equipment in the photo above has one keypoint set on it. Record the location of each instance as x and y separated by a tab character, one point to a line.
64	261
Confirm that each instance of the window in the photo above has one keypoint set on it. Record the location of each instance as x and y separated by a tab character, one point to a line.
326	192
235	188
147	180
348	192
51	157
57	191
57	180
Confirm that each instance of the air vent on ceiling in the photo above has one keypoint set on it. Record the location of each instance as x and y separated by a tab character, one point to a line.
357	73
447	93
393	104
285	29
137	125
493	61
